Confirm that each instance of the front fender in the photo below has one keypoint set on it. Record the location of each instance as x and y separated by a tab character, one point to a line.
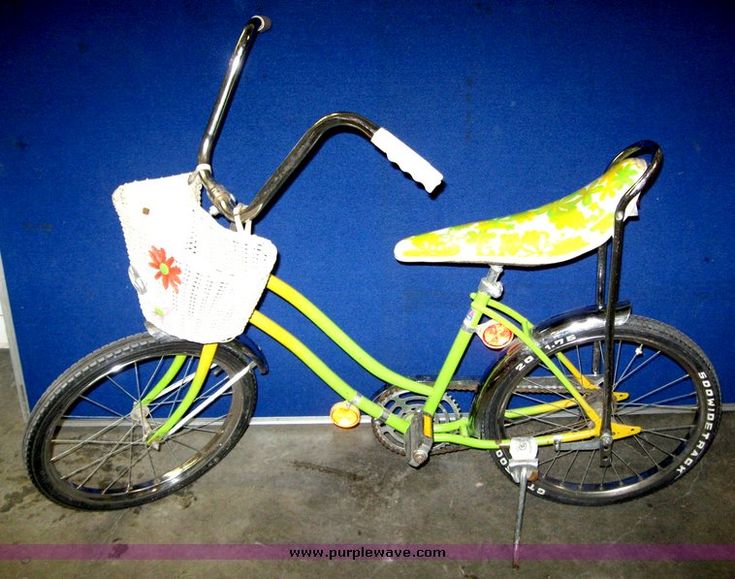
252	351
582	319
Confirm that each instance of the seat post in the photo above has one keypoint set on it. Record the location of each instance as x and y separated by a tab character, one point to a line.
490	284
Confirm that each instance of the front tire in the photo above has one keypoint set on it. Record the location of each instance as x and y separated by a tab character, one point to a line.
85	443
667	385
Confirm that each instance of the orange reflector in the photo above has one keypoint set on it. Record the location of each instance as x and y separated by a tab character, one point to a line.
495	335
345	415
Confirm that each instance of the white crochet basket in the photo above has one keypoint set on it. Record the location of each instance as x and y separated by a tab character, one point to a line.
196	280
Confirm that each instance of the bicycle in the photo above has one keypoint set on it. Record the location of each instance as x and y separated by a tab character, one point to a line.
592	407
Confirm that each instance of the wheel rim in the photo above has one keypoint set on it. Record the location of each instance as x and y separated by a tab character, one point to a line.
659	392
96	450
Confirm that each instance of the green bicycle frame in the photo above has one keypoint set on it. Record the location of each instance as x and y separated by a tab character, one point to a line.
456	431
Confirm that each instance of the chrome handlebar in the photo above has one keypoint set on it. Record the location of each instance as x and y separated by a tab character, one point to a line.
396	151
219	196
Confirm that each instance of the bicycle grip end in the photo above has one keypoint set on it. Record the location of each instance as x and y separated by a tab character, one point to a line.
265	22
407	159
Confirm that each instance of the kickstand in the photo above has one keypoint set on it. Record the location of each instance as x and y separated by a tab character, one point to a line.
522	465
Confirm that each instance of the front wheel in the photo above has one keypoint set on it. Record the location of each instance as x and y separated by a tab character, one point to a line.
86	441
663	384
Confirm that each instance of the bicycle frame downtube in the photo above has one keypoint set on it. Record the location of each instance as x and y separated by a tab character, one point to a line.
339	337
303	353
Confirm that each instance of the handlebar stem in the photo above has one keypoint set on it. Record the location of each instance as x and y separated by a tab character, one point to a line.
220	197
227	88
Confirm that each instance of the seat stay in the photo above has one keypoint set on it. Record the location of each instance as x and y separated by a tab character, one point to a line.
643	183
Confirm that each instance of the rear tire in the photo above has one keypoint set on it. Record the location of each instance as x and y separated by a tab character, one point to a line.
673	394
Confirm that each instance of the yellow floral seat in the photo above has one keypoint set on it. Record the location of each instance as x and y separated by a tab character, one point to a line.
553	233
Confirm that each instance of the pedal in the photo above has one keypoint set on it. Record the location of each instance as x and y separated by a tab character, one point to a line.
522	465
419	438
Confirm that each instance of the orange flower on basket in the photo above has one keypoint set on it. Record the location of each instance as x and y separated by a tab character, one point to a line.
167	272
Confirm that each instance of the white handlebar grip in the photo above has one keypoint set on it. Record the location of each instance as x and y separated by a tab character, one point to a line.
407	159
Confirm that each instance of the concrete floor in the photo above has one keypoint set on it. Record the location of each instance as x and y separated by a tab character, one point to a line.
295	484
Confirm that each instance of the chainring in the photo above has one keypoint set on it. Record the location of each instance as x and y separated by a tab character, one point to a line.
403	403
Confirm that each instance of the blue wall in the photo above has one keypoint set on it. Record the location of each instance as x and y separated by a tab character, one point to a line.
516	102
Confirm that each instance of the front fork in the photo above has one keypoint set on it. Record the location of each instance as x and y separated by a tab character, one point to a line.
165	385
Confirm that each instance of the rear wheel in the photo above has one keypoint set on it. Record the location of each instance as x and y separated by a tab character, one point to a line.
85	444
663	383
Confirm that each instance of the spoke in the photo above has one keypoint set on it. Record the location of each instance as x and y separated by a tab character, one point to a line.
557	455
617	474
669	428
587	469
555	427
128	394
87	440
177	441
110	410
669	436
672	410
164	396
137	379
541	402
579	360
91	442
645	450
198	428
129	473
656	390
533	381
148	385
574	459
157	405
660	404
88	418
656	446
130	468
178	391
602	476
637	352
630	468
617	365
214	387
99	461
552	462
644	363
150	459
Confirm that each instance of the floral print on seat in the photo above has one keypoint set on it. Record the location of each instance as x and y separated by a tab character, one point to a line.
556	232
